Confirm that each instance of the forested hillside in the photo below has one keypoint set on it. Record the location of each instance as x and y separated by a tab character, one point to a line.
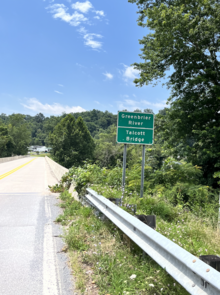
36	129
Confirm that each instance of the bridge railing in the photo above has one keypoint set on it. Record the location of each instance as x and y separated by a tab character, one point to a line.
8	159
195	276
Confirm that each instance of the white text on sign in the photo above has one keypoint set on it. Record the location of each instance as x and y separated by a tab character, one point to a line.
124	116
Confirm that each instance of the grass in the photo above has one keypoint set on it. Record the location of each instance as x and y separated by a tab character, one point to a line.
80	276
196	234
116	264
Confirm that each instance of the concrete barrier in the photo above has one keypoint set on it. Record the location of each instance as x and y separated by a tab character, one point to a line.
8	159
56	168
73	192
59	171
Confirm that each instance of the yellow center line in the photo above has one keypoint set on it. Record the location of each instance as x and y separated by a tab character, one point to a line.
16	169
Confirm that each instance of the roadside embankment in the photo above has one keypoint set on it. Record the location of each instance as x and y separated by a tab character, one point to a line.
8	159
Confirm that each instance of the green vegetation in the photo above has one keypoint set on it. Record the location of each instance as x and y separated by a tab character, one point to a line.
183	47
71	142
101	253
15	136
6	142
17	131
187	214
170	191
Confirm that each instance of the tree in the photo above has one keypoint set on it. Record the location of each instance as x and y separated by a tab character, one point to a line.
148	111
6	142
19	130
185	39
107	151
39	118
71	142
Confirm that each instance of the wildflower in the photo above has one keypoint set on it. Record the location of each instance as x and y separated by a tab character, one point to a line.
174	240
151	285
133	277
161	289
97	263
99	243
95	245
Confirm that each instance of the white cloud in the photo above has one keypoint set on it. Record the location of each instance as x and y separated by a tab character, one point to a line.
84	7
53	109
158	105
97	102
79	65
89	41
82	30
60	85
60	11
58	92
130	73
108	75
131	105
100	12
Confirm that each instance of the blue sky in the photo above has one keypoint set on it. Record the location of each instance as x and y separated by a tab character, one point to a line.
68	56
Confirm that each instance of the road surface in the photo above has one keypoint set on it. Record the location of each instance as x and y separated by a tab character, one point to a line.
30	258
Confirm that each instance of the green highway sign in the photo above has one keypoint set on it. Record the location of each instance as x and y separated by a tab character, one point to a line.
135	128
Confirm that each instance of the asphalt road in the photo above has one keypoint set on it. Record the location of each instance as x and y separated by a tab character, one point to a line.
31	260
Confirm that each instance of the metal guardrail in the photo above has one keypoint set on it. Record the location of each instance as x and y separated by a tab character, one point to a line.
194	275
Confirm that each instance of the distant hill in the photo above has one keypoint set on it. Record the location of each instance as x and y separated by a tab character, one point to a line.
40	126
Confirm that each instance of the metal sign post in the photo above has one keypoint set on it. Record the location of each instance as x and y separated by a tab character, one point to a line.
142	172
124	165
124	169
135	128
